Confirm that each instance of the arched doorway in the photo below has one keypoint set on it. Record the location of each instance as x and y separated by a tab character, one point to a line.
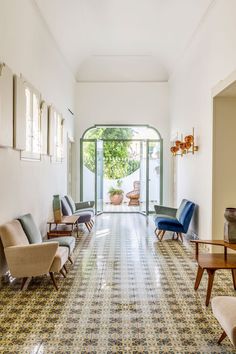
117	160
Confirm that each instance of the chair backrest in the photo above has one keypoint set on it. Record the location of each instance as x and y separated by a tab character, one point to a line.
30	228
71	203
186	215
181	207
137	186
66	209
12	234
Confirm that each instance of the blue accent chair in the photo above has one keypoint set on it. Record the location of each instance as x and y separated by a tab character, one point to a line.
178	224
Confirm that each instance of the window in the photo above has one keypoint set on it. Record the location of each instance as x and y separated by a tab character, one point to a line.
55	146
58	143
33	145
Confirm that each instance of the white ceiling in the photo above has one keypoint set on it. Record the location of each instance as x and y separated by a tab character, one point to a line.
122	40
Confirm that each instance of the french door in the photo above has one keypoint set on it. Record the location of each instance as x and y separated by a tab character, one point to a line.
150	173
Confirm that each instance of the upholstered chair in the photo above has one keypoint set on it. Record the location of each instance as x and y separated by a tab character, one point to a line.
77	207
34	236
29	260
224	310
177	224
85	215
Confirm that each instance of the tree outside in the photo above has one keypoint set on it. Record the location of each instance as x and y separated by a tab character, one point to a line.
118	155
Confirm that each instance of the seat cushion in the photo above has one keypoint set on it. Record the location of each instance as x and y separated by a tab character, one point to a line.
60	259
224	310
31	230
84	216
168	224
66	209
66	241
12	234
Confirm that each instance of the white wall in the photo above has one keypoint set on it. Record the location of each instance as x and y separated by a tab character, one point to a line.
27	47
125	103
210	57
224	171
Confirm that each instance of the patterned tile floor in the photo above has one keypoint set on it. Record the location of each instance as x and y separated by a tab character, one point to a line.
126	293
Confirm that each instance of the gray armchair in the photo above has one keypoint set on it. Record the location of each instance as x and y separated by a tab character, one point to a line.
27	260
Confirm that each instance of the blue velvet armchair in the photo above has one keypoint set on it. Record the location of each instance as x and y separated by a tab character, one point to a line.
178	223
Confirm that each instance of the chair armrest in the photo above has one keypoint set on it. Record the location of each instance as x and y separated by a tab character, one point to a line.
159	209
30	260
84	205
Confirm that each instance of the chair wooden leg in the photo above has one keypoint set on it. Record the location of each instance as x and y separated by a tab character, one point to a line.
23	283
162	235
234	277
200	272
180	236
158	232
62	273
173	236
91	225
71	260
87	225
65	268
211	274
53	280
222	337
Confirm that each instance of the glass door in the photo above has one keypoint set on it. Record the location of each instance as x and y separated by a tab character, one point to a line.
99	177
143	175
154	170
87	169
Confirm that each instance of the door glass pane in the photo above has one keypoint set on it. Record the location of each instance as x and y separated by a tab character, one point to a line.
143	176
154	173
88	170
99	170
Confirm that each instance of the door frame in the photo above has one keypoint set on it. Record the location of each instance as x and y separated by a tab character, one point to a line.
160	140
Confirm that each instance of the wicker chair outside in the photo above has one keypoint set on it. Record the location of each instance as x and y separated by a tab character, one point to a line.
134	195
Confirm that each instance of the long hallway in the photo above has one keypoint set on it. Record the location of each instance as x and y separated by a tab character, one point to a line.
126	293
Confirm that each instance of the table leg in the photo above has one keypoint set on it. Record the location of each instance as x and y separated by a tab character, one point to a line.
77	227
234	277
198	277
211	274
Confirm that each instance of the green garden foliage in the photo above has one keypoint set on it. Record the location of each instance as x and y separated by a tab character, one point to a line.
118	158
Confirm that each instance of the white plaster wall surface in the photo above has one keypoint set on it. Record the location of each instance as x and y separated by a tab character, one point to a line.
28	48
209	58
127	184
125	103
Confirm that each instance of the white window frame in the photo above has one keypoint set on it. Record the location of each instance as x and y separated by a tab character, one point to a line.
32	153
56	137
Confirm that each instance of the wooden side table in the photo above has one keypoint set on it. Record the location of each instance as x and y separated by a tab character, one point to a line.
213	261
63	228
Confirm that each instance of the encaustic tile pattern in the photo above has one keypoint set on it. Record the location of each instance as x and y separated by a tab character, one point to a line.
125	293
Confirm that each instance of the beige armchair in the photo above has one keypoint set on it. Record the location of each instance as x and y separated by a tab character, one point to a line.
27	260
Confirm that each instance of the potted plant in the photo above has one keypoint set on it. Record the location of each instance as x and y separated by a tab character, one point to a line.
116	194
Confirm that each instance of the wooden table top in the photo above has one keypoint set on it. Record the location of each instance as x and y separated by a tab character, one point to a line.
232	246
65	220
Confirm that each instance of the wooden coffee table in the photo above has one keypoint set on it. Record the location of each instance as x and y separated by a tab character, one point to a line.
63	228
213	261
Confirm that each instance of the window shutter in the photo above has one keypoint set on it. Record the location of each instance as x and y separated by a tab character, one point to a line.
51	131
44	128
19	114
6	106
